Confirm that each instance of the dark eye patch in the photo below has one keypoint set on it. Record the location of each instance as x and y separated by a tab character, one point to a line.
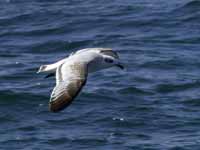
108	60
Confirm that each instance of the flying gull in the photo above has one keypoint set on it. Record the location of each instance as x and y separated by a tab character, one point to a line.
71	73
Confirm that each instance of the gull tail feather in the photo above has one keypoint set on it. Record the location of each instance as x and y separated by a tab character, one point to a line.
51	68
43	68
47	68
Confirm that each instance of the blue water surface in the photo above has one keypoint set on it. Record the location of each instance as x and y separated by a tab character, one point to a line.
153	105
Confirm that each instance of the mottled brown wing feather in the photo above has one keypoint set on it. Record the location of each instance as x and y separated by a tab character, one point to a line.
66	97
67	89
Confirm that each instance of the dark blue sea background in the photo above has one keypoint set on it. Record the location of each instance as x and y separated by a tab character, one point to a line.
152	105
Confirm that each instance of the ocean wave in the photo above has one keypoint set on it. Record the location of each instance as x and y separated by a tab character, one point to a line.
188	12
194	102
134	91
61	140
194	4
188	7
164	64
168	88
90	141
10	97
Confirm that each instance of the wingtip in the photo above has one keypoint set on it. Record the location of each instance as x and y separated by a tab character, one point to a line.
60	103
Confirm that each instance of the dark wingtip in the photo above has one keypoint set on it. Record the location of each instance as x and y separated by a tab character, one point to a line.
60	103
120	66
53	107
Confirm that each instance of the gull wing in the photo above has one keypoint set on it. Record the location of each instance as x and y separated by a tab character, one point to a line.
70	78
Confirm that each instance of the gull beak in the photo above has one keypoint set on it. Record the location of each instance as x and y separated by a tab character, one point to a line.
120	65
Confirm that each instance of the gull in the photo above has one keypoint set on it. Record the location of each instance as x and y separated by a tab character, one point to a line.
71	73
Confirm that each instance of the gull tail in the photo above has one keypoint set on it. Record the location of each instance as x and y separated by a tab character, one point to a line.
51	68
42	68
47	69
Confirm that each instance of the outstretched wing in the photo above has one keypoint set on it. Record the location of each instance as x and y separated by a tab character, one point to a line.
70	78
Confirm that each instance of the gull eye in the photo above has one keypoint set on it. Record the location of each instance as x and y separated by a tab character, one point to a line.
108	60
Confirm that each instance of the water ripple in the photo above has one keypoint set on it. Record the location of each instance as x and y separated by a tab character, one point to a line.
153	104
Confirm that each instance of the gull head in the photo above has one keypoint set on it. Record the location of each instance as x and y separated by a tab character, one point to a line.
102	58
110	61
